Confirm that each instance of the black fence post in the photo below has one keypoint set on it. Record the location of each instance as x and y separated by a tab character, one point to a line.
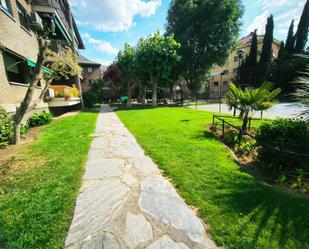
239	137
249	126
223	133
213	119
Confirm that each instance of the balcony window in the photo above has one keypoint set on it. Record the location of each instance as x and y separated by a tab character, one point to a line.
6	6
16	68
23	17
216	83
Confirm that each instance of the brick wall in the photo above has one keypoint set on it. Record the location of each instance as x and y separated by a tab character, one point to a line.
87	77
23	42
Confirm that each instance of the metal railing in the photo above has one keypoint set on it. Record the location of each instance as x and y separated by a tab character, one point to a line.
242	133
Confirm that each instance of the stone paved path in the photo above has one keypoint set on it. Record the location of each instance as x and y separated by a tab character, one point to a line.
124	201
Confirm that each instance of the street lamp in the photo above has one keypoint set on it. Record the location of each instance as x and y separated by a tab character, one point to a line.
240	56
220	90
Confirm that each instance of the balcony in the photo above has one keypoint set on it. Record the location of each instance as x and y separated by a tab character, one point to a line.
52	6
62	96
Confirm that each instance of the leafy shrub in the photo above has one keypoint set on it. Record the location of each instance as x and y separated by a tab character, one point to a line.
24	128
72	92
231	139
284	134
90	99
6	128
38	119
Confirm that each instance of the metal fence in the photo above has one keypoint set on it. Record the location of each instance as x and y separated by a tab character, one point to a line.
295	156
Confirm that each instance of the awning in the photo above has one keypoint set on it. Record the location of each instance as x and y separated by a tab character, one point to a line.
32	64
63	32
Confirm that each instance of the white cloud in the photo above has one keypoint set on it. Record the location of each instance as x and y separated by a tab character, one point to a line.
105	62
112	15
99	45
282	10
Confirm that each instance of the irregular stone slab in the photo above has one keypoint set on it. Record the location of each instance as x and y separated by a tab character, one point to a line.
106	241
129	179
96	207
98	154
104	168
160	200
127	151
145	165
99	143
166	242
138	230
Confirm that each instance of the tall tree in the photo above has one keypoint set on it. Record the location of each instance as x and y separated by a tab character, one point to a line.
266	54
114	79
290	40
126	65
160	55
62	66
282	50
142	71
302	30
207	30
251	61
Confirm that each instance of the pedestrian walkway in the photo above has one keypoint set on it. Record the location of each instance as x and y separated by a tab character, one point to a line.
124	202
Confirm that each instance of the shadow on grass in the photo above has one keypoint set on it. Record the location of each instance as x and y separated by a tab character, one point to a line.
270	209
122	107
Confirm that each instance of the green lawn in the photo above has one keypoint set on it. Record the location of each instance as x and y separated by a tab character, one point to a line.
37	198
240	210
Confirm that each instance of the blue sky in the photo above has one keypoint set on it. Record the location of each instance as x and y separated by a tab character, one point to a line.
106	25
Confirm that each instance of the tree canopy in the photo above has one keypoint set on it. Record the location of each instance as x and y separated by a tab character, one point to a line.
302	30
207	30
266	54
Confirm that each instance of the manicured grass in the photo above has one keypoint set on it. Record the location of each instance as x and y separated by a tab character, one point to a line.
240	210
38	194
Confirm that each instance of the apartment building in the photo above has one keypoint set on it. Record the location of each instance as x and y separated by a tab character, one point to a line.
21	23
90	71
230	70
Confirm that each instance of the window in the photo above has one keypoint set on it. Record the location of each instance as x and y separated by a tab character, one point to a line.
216	83
16	68
235	70
225	71
89	69
225	82
235	58
23	18
5	4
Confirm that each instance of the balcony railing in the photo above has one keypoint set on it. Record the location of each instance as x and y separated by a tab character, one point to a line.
60	9
62	95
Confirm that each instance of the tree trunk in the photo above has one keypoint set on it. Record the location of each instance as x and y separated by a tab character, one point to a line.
245	122
129	95
17	133
20	112
171	94
143	93
154	92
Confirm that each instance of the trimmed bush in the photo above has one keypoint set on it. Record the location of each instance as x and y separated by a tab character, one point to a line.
90	99
38	119
284	134
6	128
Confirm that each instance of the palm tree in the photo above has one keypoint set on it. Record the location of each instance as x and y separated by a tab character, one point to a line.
250	100
302	86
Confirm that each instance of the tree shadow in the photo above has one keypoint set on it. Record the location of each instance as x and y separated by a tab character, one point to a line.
270	209
134	107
